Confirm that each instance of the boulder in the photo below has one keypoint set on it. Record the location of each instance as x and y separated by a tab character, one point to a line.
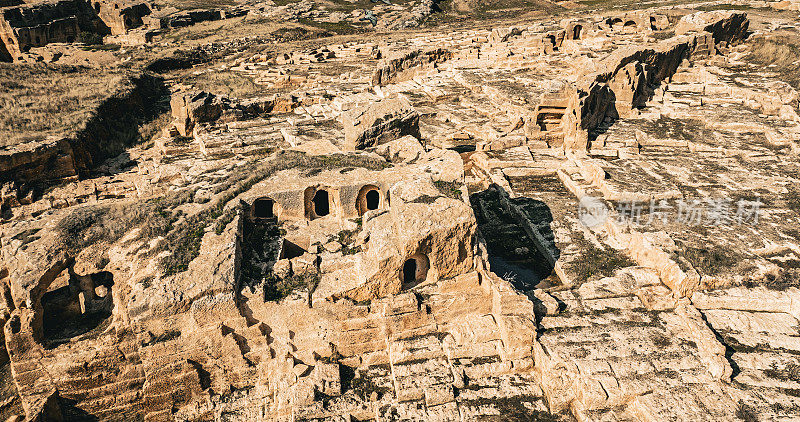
403	150
379	122
189	109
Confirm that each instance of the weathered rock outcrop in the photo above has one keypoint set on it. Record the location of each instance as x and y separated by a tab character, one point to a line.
191	109
725	26
421	225
625	79
379	122
62	21
402	67
437	263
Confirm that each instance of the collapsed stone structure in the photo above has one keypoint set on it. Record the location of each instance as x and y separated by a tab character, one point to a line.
24	26
404	243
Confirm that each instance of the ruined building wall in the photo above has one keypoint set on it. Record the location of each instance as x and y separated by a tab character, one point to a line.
627	76
34	26
58	30
121	17
402	67
29	26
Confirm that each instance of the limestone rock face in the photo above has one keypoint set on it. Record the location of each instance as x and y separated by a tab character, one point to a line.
379	122
421	225
190	109
403	150
724	25
398	231
444	165
402	66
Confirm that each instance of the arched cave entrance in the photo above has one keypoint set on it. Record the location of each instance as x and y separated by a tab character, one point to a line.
317	202
75	305
369	198
414	271
373	200
263	208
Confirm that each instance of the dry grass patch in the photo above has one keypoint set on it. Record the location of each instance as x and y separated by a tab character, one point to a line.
37	101
780	52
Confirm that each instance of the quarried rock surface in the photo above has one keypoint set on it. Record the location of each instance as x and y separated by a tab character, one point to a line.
498	222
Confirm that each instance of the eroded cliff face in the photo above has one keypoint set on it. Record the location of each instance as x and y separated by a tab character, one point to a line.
407	243
113	126
625	80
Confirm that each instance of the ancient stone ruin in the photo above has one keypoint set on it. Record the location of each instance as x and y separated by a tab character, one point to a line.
456	222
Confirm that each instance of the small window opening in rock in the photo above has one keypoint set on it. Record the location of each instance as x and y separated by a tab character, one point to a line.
576	32
373	200
321	204
415	270
264	208
410	271
630	23
103	281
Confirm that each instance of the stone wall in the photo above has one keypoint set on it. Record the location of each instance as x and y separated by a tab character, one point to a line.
33	26
400	67
626	77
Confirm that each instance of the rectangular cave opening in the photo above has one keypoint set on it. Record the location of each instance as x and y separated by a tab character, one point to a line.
75	306
262	246
513	253
549	118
